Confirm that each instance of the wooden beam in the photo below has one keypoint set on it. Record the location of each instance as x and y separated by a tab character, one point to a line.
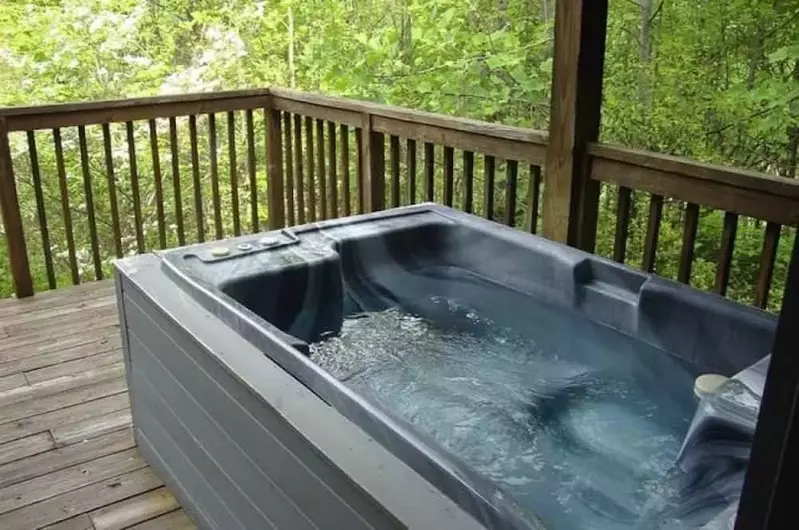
275	169
768	498
12	220
570	198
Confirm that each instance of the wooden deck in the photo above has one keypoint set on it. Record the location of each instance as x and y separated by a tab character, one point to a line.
68	459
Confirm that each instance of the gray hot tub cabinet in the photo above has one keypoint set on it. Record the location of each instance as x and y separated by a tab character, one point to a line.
248	433
239	441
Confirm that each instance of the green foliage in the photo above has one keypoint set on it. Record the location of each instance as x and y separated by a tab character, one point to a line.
716	81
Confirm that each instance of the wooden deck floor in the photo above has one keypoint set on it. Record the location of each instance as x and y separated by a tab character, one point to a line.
68	460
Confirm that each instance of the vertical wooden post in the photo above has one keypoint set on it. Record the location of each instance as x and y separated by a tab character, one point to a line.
768	498
12	221
373	158
275	166
571	199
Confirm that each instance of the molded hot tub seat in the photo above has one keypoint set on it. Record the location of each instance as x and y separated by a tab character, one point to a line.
249	432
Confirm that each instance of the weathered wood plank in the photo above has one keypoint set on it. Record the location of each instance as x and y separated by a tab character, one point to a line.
81	500
74	367
41	488
28	338
533	199
489	165
360	170
345	169
25	447
12	381
410	162
87	429
134	186
394	164
81	522
51	461
58	385
129	512
177	520
50	299
429	171
322	170
75	347
322	112
310	161
45	314
25	410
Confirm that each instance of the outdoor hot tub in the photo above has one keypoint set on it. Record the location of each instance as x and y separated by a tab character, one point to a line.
424	368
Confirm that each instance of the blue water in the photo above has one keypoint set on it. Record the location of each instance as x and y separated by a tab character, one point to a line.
577	423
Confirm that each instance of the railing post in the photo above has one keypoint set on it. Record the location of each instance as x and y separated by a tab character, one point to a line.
571	198
274	137
12	221
374	170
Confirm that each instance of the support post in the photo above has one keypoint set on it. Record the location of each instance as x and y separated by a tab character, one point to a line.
571	199
12	221
275	170
768	499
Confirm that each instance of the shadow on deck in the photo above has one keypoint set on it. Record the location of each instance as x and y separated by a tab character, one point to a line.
68	459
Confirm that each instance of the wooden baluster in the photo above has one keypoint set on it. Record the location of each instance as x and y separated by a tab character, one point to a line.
511	179
89	196
489	164
40	211
690	225
274	135
468	181
622	224
175	154
195	173
725	253
410	153
320	163
252	172
394	162
771	241
360	173
652	233
429	172
345	168
375	154
449	175
216	197
309	148
112	189
289	177
234	171
134	187
533	199
331	157
159	188
66	211
300	177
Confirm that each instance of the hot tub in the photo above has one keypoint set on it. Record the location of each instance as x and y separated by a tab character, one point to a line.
421	368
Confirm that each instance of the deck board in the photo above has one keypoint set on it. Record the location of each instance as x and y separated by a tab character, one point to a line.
68	459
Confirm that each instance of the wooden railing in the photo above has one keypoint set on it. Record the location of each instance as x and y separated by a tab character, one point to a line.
74	199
